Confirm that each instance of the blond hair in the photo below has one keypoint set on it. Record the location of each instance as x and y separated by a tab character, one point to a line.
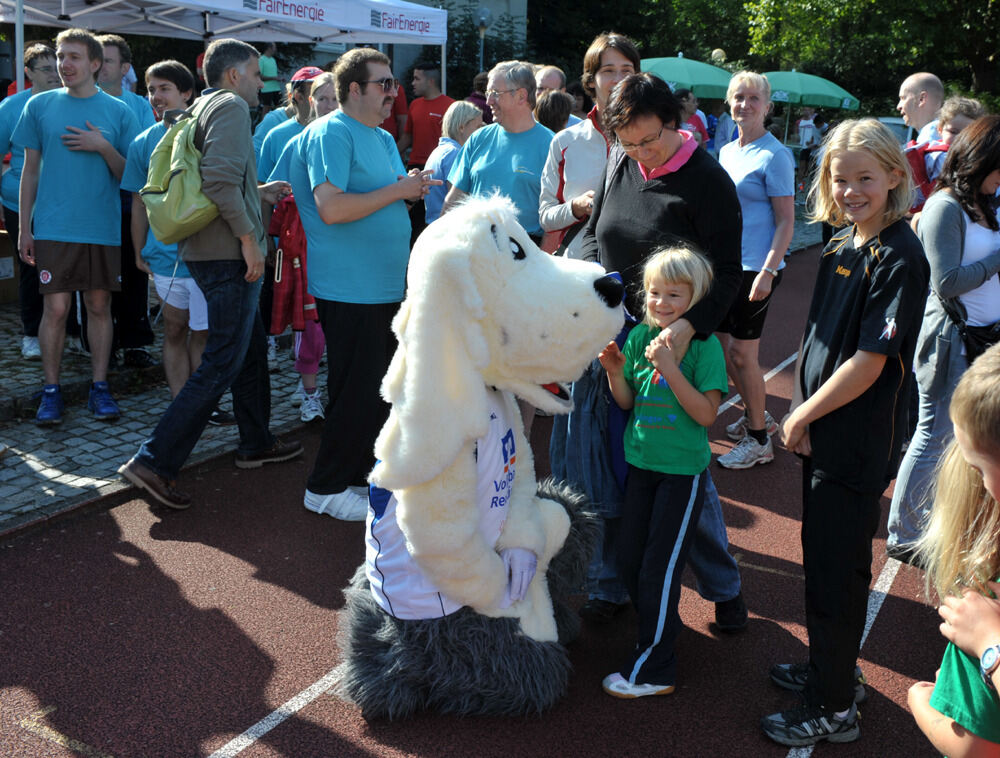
323	80
960	547
678	265
459	113
960	106
757	81
872	137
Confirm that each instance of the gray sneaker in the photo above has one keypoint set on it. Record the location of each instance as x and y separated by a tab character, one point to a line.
793	676
748	453
808	725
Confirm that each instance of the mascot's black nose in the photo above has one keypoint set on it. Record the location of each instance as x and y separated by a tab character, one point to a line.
611	290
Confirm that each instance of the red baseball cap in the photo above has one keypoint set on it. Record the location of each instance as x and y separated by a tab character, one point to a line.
306	74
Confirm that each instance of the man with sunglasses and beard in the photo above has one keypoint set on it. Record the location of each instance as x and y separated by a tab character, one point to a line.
351	190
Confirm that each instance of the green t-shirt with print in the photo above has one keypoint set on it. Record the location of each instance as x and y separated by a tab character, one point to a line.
661	436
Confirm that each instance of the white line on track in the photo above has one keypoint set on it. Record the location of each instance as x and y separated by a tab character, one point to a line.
250	736
276	717
875	599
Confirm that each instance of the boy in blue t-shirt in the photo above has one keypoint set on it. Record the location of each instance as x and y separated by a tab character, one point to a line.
40	68
74	237
133	332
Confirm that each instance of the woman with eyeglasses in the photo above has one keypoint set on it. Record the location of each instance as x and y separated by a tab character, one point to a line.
577	155
577	452
660	190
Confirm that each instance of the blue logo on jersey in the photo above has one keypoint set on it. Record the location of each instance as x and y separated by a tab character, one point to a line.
507	444
502	487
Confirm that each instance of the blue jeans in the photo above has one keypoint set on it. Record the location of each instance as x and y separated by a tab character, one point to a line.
235	356
911	503
714	568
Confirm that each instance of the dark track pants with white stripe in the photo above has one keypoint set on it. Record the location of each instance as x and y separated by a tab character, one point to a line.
838	525
658	523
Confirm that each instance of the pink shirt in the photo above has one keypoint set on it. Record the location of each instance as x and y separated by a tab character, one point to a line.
677	160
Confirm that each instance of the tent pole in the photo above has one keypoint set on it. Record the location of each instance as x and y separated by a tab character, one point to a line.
18	61
444	68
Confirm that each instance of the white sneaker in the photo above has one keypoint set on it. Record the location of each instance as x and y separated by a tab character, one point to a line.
346	506
272	353
747	453
298	395
312	407
618	686
738	429
30	350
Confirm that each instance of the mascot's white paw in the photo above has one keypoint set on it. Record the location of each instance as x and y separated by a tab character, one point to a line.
345	506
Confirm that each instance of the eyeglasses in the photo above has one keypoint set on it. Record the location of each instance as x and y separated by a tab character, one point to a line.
645	143
388	85
494	94
43	69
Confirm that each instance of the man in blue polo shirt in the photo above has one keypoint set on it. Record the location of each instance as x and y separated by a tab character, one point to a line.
509	154
350	187
40	67
74	232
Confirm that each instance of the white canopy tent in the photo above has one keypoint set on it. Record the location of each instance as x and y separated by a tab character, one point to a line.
304	21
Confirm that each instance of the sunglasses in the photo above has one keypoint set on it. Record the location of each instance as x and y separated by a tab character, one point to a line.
388	85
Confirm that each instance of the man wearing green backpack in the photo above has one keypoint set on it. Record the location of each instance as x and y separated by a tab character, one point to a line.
226	259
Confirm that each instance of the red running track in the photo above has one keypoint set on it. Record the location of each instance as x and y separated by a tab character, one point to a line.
131	630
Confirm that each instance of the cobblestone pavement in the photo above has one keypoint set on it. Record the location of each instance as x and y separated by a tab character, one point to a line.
48	471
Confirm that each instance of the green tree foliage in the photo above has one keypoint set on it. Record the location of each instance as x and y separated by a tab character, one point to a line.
870	46
695	29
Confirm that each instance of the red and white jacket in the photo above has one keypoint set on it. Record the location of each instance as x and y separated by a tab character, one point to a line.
575	165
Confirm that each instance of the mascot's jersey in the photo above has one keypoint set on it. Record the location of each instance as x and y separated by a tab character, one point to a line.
397	582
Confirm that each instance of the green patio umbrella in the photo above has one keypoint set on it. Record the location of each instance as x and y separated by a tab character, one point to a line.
703	79
805	89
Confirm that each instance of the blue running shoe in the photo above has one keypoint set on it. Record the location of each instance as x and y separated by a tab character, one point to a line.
50	410
101	403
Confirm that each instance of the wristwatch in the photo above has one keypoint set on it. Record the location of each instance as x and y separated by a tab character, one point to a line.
988	663
771	271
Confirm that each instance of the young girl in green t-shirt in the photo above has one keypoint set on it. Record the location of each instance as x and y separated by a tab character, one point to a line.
960	712
673	399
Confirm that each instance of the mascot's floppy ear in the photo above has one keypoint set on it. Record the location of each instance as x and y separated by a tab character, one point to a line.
434	382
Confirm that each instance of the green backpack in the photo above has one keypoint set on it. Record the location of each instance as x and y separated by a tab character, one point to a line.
175	205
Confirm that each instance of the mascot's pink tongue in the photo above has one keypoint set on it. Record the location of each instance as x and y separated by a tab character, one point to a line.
554	388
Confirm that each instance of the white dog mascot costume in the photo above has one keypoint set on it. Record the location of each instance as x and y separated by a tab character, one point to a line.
446	614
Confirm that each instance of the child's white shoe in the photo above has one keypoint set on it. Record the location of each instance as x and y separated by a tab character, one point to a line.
618	686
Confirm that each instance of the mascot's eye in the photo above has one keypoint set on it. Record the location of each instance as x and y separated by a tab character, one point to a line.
517	250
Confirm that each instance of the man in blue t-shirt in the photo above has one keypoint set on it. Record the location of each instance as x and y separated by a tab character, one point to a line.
40	67
74	237
509	154
185	312
351	190
129	307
